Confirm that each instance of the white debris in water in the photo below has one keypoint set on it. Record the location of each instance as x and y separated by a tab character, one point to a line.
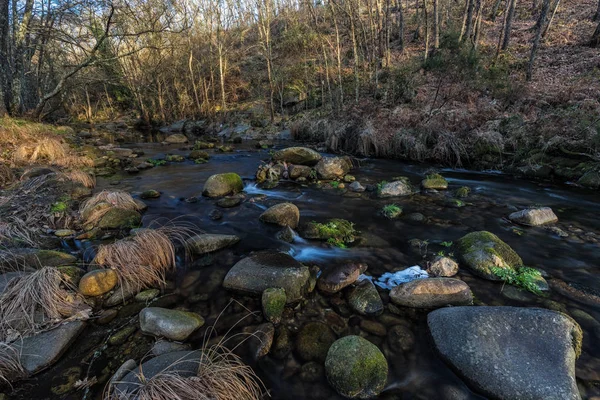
390	280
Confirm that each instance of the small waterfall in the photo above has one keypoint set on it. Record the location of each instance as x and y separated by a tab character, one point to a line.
252	188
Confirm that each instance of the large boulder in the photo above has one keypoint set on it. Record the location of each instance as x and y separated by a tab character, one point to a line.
432	293
534	216
40	351
98	282
481	251
332	167
223	184
261	271
177	138
356	368
209	242
171	324
395	189
510	352
284	214
338	277
297	155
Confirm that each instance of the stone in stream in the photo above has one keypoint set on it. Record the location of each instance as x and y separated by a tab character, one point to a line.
443	267
222	185
432	293
98	282
338	277
534	216
120	218
283	214
150	194
40	351
364	298
435	182
299	171
229	202
332	167
356	368
261	339
400	338
61	233
35	258
209	242
273	303
176	138
254	274
590	179
313	341
356	187
510	352
181	363
480	251
198	154
395	189
287	234
171	324
161	347
298	155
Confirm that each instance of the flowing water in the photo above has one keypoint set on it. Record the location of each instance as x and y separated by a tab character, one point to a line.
417	373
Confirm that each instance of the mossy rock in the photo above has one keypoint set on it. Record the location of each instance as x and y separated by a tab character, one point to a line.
313	341
150	194
119	218
434	181
298	155
590	179
198	154
36	258
121	336
481	251
273	304
72	273
222	185
332	229
174	158
356	368
203	145
463	192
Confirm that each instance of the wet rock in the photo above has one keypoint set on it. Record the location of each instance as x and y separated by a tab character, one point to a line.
61	233
215	215
262	271
287	234
313	341
182	363
297	155
106	316
198	154
373	327
532	350
332	167
400	338
395	189
120	296
119	218
40	351
432	293
229	202
209	242
435	182
356	187
333	229
590	179
282	346
150	194
338	277
416	217
480	251
311	372
299	171
364	298
161	347
147	295
284	214
35	258
443	267
121	336
273	303
98	282
356	368
171	324
176	138
262	339
534	216
223	184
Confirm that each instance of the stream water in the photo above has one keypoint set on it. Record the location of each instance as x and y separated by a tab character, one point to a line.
416	373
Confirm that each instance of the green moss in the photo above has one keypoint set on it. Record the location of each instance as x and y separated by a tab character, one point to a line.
391	211
273	303
121	336
200	161
482	250
337	232
174	158
435	181
59	207
156	162
203	145
118	218
463	192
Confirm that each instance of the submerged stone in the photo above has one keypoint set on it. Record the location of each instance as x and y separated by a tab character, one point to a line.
313	341
364	298
432	293
481	251
209	242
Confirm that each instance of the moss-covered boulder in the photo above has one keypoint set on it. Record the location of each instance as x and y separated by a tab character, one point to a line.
35	258
481	251
434	181
356	368
462	192
283	214
313	341
150	194
298	155
332	168
337	231
120	218
98	282
197	154
223	184
590	179
273	304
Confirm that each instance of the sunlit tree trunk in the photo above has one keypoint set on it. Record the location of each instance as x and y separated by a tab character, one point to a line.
436	25
547	28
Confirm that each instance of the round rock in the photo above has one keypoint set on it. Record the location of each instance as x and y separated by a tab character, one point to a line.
171	324
284	214
98	282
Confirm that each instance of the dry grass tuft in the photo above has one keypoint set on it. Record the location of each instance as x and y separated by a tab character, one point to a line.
45	149
33	301
10	363
16	230
87	180
92	213
221	376
6	175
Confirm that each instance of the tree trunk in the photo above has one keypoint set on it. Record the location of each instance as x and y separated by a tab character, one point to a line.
425	14
4	58
495	8
597	15
510	14
436	25
468	21
400	26
547	28
537	38
595	42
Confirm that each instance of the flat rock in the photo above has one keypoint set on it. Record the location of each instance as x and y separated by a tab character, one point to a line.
395	189
209	242
261	271
171	324
298	155
534	216
510	352
40	351
340	276
432	293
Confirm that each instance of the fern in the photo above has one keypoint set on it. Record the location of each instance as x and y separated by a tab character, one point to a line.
523	277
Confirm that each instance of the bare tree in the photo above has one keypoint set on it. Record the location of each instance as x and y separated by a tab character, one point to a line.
4	58
510	13
595	41
597	15
537	38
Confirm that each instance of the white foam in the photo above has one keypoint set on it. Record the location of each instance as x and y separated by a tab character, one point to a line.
390	280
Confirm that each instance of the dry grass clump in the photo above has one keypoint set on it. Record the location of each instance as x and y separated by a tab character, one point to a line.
92	211
221	376
33	301
6	175
16	230
87	180
10	363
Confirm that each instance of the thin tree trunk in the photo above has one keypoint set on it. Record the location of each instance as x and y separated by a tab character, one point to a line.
4	58
510	14
597	15
436	25
495	8
425	14
595	42
400	26
501	35
537	38
547	28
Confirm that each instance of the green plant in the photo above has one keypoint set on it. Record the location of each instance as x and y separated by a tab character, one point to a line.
156	162
335	184
337	243
447	244
200	161
380	185
391	211
59	206
313	174
337	232
441	253
524	277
